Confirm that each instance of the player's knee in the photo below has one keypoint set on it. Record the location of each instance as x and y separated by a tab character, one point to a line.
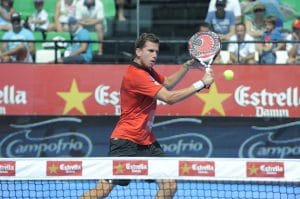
173	186
169	187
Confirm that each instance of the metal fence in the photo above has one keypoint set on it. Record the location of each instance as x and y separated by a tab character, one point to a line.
122	51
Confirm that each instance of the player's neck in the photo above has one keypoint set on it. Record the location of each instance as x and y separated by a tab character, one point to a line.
138	65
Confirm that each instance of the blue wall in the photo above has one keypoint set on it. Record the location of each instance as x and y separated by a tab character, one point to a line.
40	136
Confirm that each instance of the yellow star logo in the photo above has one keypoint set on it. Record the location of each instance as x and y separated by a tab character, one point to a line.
53	168
185	169
119	168
213	100
253	170
74	98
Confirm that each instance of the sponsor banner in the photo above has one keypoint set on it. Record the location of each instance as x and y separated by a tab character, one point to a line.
94	90
197	168
265	169
212	169
88	136
7	168
64	168
130	167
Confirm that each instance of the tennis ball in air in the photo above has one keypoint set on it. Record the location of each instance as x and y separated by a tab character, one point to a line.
228	74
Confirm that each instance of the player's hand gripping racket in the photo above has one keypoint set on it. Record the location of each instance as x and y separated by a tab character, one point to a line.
204	47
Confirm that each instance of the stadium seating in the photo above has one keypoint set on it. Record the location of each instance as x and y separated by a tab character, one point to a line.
281	57
109	8
1	34
58	36
24	7
49	6
95	45
46	55
38	37
55	35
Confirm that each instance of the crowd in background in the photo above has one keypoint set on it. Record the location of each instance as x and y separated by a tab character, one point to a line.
251	30
254	31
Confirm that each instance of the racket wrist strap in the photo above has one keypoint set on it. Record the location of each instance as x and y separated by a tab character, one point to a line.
199	85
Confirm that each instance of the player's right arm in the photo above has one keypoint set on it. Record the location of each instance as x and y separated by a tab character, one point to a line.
171	97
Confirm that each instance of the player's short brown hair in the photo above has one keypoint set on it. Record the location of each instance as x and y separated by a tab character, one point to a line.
144	37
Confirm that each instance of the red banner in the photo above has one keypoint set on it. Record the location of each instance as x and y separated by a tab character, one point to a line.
255	91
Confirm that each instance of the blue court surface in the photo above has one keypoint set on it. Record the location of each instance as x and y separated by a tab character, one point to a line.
69	189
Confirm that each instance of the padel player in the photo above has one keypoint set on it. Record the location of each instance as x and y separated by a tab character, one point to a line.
141	87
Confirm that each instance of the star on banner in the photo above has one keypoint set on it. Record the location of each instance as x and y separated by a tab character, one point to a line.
53	168
74	98
185	169
119	168
213	100
253	170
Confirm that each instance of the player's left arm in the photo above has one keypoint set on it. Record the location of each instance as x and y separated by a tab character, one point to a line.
172	80
171	97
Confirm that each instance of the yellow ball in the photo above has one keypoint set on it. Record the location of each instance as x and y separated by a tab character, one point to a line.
228	74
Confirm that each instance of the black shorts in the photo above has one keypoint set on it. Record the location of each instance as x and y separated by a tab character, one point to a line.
127	148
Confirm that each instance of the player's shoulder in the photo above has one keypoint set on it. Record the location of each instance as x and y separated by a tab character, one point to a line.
136	69
136	74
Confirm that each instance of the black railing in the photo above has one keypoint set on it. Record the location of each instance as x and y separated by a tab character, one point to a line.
122	51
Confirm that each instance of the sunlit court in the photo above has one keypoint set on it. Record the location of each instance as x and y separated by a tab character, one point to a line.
149	99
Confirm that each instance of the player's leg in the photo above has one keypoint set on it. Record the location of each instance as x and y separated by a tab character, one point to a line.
102	190
166	189
117	148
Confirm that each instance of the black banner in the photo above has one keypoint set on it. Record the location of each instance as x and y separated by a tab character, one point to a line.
42	136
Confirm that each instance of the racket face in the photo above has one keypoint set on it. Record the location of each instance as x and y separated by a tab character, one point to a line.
204	45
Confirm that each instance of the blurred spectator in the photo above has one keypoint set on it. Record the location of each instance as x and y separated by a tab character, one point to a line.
204	27
120	10
256	25
241	53
64	9
222	21
294	48
184	51
232	5
281	9
17	51
6	10
246	5
90	14
268	48
39	20
80	49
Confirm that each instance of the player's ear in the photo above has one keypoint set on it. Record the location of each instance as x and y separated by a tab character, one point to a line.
138	52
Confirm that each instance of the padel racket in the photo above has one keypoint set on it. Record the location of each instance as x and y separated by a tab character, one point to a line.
204	47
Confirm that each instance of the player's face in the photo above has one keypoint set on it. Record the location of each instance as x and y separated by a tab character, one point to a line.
147	55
